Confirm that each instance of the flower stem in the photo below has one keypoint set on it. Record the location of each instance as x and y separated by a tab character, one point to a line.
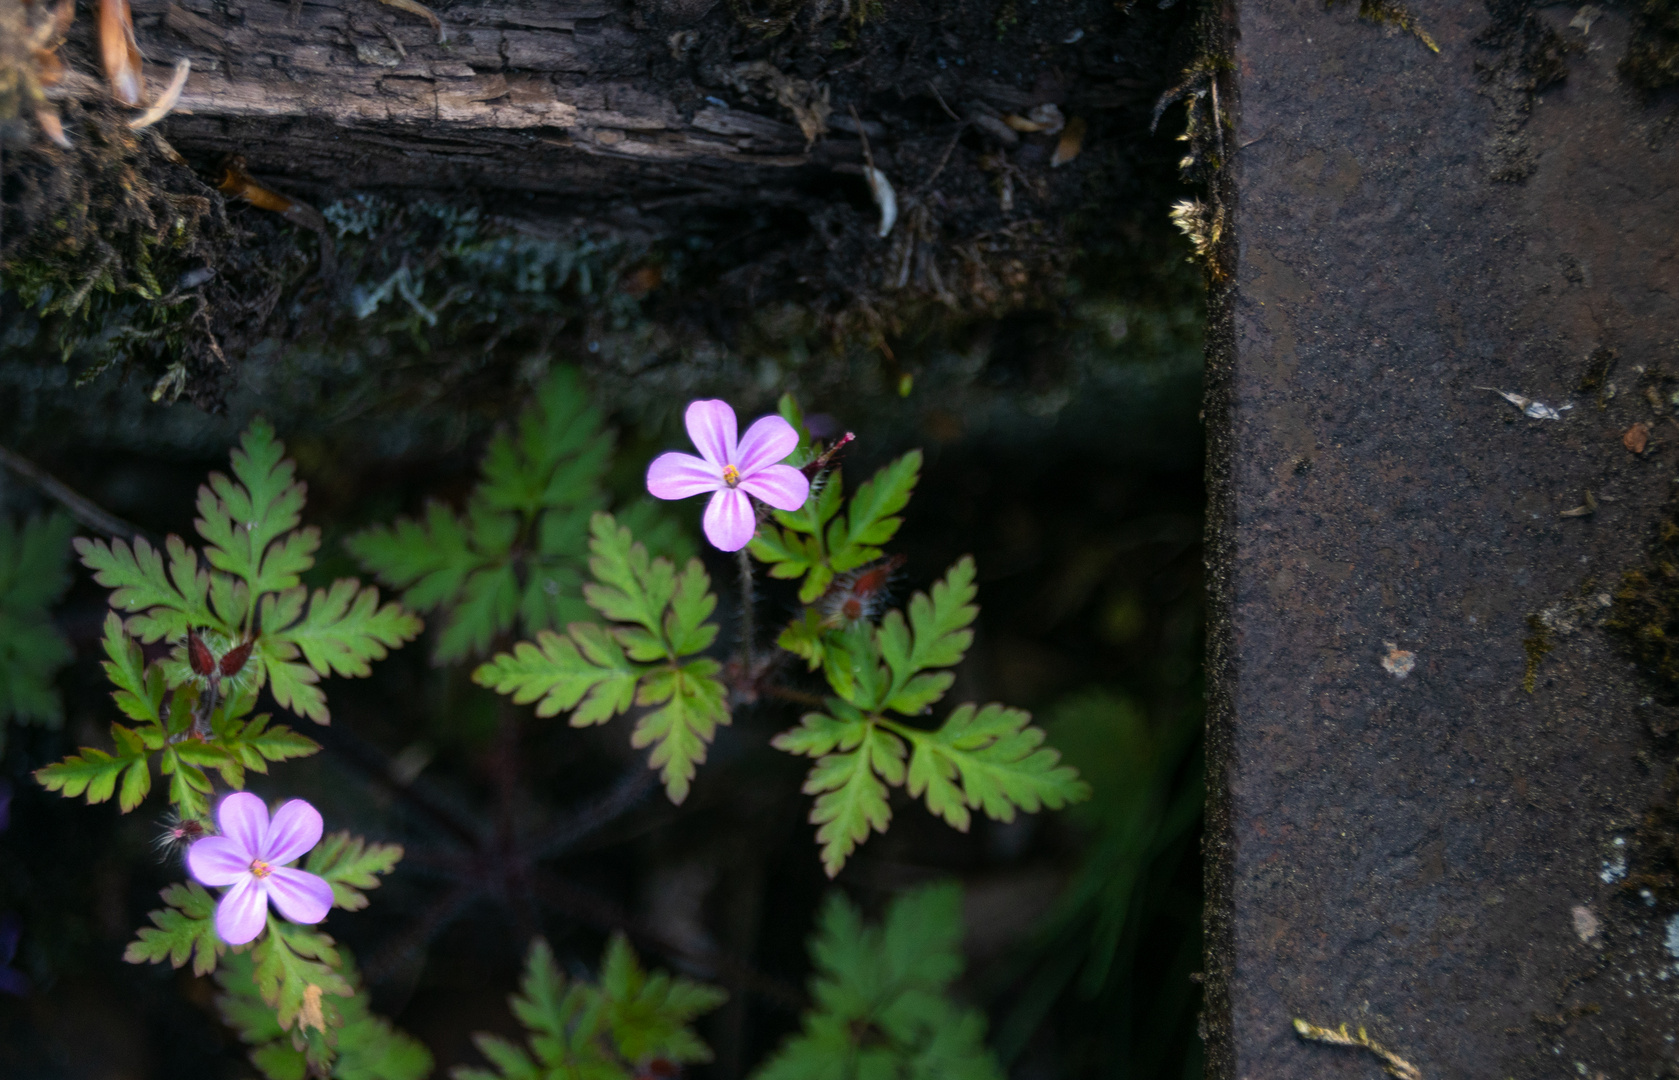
748	630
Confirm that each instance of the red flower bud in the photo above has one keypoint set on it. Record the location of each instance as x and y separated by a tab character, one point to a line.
198	654
233	662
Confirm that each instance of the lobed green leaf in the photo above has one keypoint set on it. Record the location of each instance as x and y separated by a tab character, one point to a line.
585	671
989	759
350	864
183	930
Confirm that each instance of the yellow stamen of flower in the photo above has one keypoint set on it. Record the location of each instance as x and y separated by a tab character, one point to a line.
731	476
260	868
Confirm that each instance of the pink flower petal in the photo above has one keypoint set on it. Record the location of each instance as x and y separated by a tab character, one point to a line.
711	424
782	486
243	817
729	521
295	829
218	860
767	441
301	896
677	476
243	911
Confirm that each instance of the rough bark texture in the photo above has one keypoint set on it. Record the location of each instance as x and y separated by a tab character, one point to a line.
528	96
1441	808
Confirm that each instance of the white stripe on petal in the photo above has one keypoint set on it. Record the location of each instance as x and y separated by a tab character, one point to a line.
243	911
711	424
677	476
767	441
729	521
782	486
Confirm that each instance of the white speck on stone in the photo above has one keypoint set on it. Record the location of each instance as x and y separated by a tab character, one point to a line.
1615	867
1648	897
1398	662
1585	923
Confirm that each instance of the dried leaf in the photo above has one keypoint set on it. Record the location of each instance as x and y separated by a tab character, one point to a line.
1072	142
161	107
884	197
119	52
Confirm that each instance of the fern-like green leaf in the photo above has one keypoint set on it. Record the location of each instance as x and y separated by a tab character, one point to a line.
883	1006
936	636
184	930
248	592
989	759
818	543
32	579
856	760
648	1013
366	1047
691	705
514	557
296	974
586	672
242	518
350	864
646	657
605	1031
94	773
164	602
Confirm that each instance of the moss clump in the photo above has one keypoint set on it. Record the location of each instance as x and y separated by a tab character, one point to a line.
1394	14
1536	645
115	251
1645	616
1652	59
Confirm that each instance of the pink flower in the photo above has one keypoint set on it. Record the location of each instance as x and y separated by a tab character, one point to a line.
248	856
731	471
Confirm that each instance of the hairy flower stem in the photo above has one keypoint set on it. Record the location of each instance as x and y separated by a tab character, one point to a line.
748	598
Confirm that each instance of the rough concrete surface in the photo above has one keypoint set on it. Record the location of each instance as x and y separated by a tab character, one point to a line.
1435	853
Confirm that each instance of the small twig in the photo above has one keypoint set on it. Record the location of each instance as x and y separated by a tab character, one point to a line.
943	161
396	42
422	795
442	911
862	133
1218	119
948	111
626	794
801	697
748	600
1395	1066
84	510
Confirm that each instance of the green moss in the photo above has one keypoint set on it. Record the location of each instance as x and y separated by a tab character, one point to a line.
1391	13
1645	616
1536	644
117	253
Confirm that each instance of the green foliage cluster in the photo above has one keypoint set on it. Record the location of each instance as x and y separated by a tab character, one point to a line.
368	1047
648	656
233	744
984	758
237	622
817	542
297	972
617	1028
248	595
250	589
514	557
882	998
32	578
